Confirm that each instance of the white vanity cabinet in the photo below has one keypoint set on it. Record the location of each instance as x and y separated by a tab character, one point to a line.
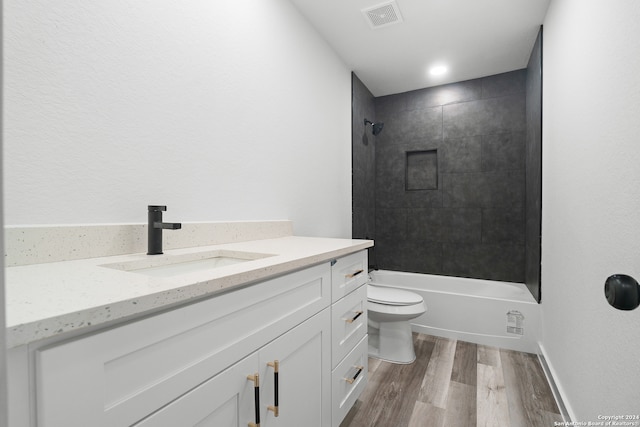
349	337
196	364
178	365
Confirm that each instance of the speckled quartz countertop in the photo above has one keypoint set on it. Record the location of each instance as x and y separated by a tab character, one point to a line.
45	300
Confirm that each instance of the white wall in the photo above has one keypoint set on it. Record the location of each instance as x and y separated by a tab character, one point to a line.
4	404
591	201
232	110
3	359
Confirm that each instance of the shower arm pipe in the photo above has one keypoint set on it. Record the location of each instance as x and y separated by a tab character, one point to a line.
376	128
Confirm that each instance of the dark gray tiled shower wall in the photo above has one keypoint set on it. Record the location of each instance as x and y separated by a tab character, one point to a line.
472	225
533	222
363	163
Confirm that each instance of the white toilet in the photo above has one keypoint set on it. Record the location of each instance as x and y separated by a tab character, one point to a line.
389	312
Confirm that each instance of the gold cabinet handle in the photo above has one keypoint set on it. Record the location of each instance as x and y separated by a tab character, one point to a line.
354	274
275	408
352	379
256	394
352	319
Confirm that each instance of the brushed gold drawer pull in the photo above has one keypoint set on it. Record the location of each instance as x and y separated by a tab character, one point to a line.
352	275
275	408
358	372
256	394
358	314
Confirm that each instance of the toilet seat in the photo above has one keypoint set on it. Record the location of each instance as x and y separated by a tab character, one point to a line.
392	296
391	313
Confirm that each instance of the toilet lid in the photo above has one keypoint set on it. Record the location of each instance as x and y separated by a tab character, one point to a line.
392	296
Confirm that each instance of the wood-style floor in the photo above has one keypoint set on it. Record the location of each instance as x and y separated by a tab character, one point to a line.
455	383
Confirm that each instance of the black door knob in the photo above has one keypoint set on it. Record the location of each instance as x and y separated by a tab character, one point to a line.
622	291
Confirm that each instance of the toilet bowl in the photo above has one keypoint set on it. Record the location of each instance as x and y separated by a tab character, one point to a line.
389	311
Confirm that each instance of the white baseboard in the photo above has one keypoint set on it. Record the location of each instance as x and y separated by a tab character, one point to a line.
556	387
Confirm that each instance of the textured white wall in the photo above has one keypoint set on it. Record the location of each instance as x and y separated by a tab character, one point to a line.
231	110
4	404
591	201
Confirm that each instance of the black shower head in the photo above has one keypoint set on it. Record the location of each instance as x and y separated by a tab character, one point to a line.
376	127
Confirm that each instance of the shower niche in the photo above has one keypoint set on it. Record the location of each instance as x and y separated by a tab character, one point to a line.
421	170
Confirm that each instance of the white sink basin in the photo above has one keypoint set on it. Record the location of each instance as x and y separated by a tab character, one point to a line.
174	265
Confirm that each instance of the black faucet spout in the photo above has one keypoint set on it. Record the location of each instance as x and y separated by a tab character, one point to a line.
155	227
168	225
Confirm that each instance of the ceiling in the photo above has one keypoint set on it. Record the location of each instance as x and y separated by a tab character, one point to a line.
473	38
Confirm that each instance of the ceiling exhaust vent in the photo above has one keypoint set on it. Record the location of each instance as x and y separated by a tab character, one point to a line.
383	15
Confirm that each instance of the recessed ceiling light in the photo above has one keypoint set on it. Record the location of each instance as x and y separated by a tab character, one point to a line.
438	70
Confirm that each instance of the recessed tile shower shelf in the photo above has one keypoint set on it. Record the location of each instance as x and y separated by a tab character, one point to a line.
421	170
174	265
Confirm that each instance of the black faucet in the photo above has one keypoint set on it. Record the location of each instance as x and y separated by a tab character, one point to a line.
155	228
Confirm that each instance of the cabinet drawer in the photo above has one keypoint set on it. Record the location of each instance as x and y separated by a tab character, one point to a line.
119	376
348	323
348	273
348	381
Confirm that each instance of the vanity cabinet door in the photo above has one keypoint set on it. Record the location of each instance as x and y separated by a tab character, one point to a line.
304	377
228	399
225	400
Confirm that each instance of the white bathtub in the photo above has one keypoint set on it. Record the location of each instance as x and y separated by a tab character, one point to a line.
498	314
